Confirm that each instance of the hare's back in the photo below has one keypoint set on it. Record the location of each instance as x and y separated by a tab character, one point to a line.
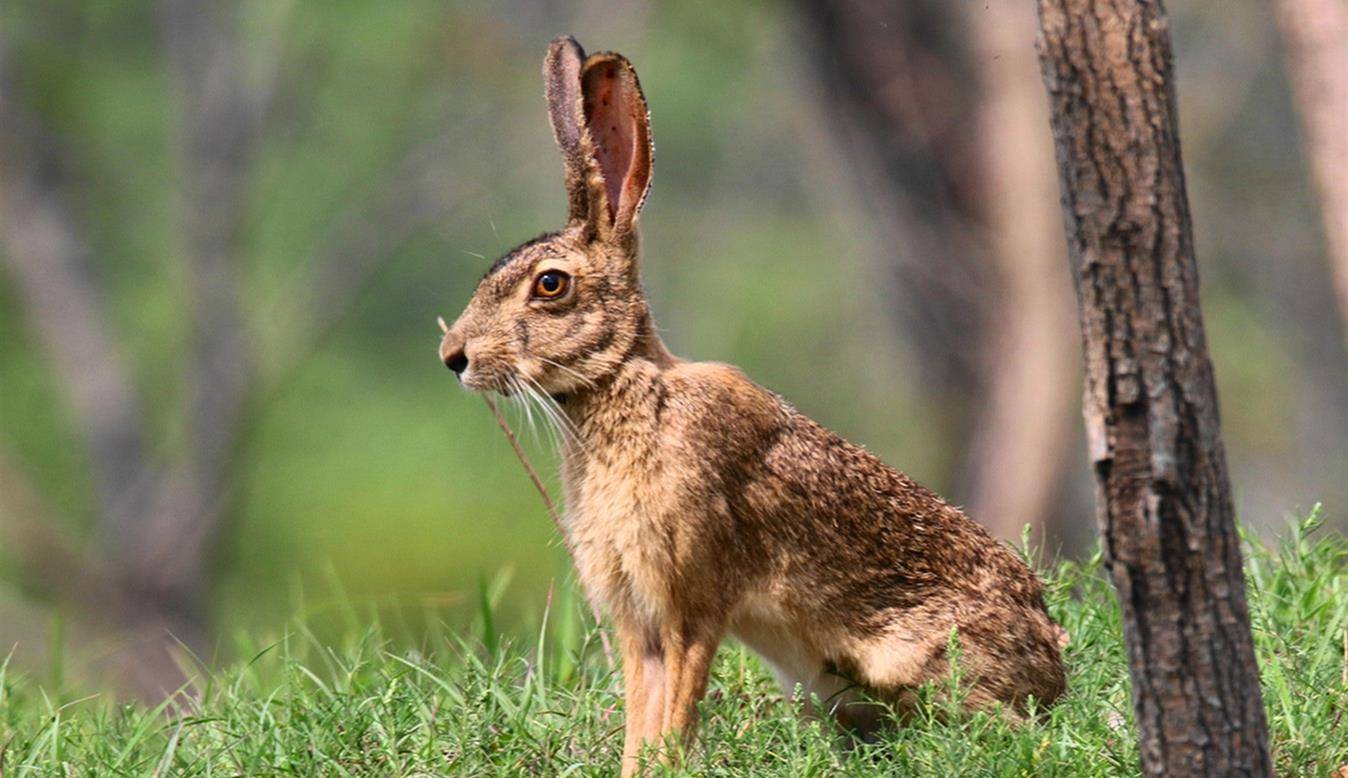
811	498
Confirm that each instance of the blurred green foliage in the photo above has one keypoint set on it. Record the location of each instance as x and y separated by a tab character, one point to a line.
362	466
365	463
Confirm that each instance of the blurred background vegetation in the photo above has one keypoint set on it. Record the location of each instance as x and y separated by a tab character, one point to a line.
228	229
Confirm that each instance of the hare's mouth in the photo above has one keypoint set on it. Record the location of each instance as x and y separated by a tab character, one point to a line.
501	384
489	374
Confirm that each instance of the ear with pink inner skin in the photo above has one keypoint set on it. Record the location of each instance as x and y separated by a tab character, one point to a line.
619	126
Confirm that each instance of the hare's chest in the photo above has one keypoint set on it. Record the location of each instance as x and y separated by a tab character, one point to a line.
618	513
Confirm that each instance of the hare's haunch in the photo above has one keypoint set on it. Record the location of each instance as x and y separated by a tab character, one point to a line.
700	504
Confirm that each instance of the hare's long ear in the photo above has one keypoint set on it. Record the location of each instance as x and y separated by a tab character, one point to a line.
620	126
561	77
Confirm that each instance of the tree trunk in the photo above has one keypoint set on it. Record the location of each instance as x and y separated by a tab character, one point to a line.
1163	497
1020	447
1315	38
900	104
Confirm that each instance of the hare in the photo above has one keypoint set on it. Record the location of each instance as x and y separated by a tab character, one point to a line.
699	504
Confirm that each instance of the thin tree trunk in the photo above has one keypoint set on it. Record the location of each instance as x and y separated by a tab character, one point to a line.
218	119
900	104
1019	447
939	106
46	254
1163	495
1315	38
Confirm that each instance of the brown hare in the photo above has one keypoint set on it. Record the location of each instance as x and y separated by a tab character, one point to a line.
699	504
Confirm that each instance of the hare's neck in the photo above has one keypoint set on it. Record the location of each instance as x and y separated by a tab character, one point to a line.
622	409
648	345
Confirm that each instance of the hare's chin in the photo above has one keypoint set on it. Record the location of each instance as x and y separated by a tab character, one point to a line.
477	385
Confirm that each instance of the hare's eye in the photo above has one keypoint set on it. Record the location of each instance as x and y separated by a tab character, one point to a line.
551	285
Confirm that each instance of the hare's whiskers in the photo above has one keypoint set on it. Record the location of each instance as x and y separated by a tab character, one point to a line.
554	411
556	520
531	399
524	397
550	412
521	398
573	372
563	420
543	434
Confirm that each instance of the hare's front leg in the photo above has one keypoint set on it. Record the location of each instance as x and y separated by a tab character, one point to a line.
643	679
688	654
665	677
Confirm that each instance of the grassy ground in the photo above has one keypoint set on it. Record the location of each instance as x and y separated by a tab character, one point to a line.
475	706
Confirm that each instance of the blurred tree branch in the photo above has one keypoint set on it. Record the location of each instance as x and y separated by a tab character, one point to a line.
946	116
217	128
161	519
1315	40
895	87
415	194
45	252
48	257
1019	447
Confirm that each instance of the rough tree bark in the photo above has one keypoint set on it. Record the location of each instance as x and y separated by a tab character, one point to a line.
1315	38
1163	495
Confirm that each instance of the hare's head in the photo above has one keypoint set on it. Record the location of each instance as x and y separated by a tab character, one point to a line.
566	309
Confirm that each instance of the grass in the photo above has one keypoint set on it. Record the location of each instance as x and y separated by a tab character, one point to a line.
473	704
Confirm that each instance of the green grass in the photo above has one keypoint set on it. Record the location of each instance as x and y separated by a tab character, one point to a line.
468	703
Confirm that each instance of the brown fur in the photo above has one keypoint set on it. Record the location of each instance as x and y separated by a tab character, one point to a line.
700	504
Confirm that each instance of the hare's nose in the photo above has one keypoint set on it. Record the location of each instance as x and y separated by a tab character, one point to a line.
452	352
457	361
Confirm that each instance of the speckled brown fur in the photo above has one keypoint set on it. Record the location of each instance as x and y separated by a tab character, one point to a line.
700	504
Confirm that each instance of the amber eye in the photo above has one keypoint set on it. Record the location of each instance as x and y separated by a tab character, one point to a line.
551	285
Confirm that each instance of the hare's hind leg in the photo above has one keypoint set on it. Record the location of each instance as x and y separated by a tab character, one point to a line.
805	674
1013	656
